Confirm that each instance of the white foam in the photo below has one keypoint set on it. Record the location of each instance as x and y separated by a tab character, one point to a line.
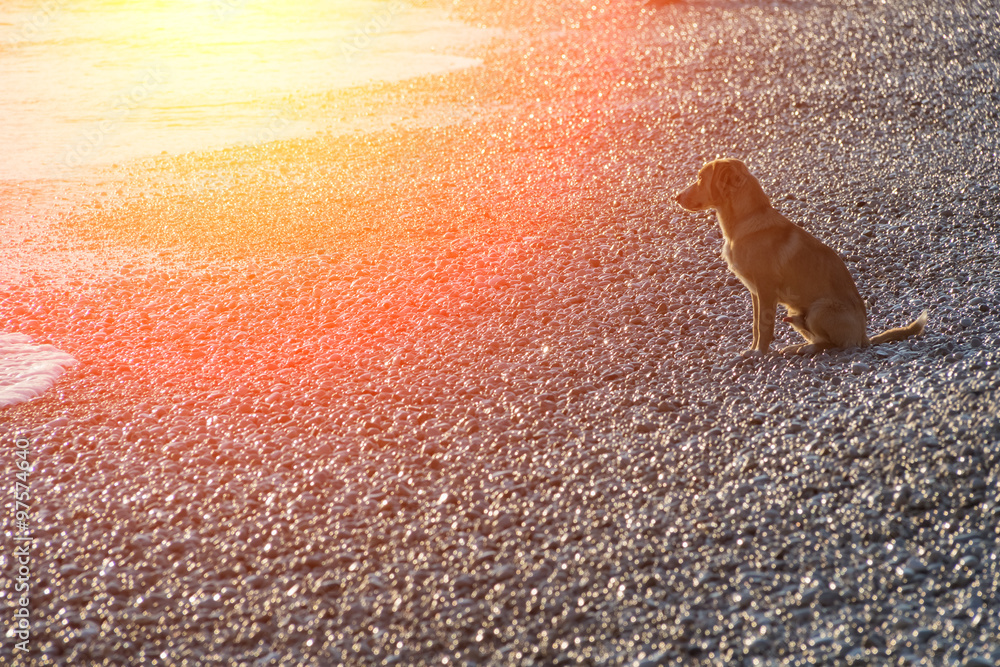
28	370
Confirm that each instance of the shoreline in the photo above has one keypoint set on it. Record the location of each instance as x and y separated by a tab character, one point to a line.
473	391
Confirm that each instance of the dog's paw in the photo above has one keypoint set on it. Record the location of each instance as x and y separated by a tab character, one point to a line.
793	350
752	353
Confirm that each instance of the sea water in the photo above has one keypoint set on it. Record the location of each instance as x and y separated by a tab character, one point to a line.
88	84
104	81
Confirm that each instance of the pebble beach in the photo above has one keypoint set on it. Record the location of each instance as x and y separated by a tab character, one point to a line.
463	386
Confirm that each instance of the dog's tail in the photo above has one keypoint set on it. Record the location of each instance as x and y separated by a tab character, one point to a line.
914	328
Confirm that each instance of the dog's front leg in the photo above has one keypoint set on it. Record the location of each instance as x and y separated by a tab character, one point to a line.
756	322
764	313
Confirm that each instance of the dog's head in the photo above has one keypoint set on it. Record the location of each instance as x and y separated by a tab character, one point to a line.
719	181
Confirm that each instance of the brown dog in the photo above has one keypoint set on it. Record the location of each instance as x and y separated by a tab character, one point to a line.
779	262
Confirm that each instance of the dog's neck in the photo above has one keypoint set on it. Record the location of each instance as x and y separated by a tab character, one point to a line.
735	213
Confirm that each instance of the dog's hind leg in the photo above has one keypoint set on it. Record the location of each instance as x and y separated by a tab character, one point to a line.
826	325
836	324
798	322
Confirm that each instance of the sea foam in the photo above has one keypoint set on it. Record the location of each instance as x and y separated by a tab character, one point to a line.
28	370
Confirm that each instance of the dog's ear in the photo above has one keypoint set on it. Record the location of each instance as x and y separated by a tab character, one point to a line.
720	180
731	175
728	176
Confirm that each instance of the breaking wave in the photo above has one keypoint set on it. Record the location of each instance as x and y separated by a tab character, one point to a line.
28	370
